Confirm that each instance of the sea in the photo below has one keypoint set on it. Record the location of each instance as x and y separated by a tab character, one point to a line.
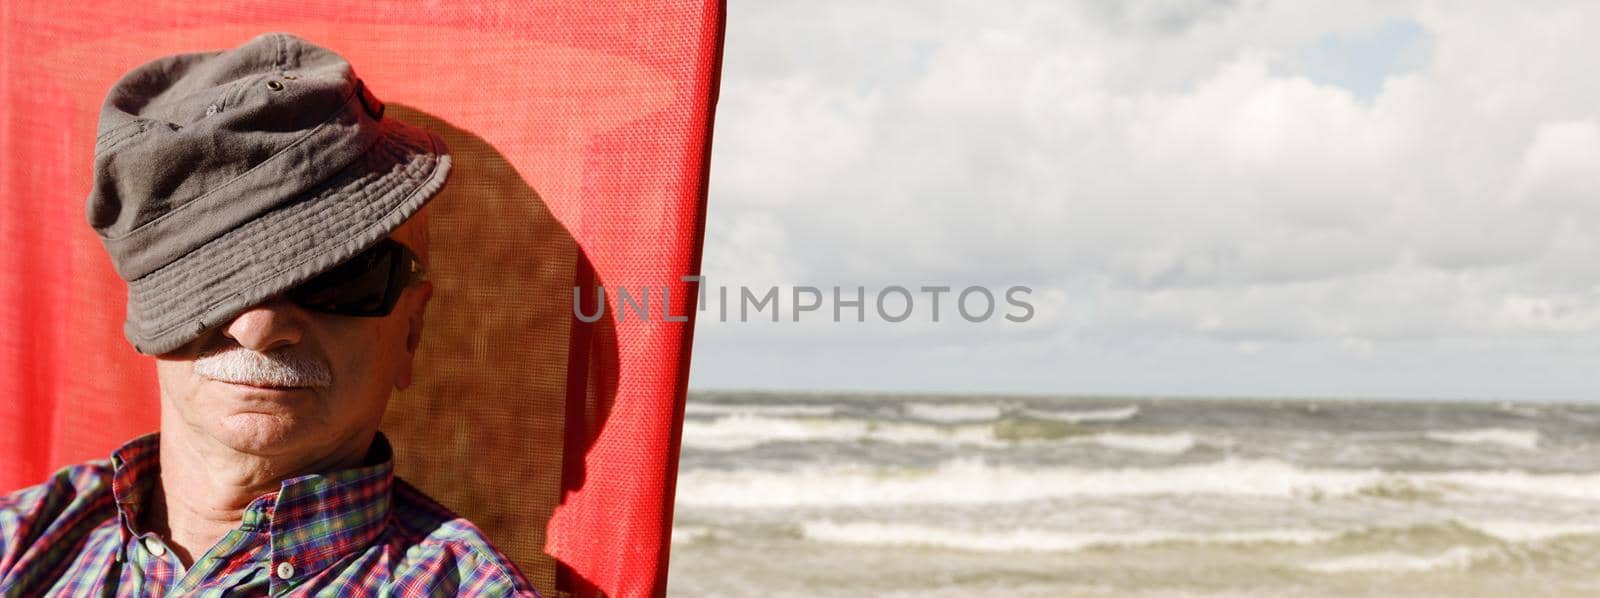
839	494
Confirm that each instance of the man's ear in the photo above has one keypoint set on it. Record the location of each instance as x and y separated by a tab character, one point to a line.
424	292
415	308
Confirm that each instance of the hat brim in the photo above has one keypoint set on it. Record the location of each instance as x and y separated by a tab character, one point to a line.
330	223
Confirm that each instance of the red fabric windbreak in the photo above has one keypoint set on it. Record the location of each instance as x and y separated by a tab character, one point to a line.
623	172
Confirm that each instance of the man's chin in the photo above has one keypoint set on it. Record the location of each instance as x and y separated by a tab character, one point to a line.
260	433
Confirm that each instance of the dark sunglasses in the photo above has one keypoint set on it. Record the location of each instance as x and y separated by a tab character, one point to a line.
367	285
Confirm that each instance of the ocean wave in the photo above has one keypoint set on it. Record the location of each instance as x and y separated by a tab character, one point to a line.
972	481
1528	532
1115	414
1468	532
745	431
737	432
1507	437
1573	486
1468	537
689	534
1034	540
1528	411
775	410
955	412
1164	444
1455	558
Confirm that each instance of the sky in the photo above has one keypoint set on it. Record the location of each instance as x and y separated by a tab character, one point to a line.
1228	198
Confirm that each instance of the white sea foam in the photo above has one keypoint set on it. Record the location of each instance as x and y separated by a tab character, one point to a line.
1528	411
1507	437
1164	444
689	534
954	412
1457	558
1572	486
735	432
971	481
1033	540
1115	414
872	533
775	410
1531	531
744	431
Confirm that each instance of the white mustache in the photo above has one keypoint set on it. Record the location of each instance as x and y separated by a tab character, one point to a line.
273	369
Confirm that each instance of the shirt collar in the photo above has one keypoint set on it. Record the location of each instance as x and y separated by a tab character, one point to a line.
135	469
313	520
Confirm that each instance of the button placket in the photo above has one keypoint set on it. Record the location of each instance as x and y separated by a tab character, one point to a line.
153	544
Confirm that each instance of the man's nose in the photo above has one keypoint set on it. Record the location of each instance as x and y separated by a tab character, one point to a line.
267	325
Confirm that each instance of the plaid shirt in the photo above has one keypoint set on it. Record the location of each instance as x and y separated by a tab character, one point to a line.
356	531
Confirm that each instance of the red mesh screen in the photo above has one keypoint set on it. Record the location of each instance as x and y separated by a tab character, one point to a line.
580	133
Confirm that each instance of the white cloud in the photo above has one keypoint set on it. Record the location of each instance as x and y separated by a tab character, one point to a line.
1178	173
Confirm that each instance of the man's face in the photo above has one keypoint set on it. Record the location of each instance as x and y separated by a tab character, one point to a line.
282	381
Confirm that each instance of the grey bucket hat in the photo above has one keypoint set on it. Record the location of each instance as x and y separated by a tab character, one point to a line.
222	179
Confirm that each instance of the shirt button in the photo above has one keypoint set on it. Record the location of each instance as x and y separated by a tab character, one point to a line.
153	544
285	570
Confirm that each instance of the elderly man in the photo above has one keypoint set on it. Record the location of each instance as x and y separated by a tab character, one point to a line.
268	221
